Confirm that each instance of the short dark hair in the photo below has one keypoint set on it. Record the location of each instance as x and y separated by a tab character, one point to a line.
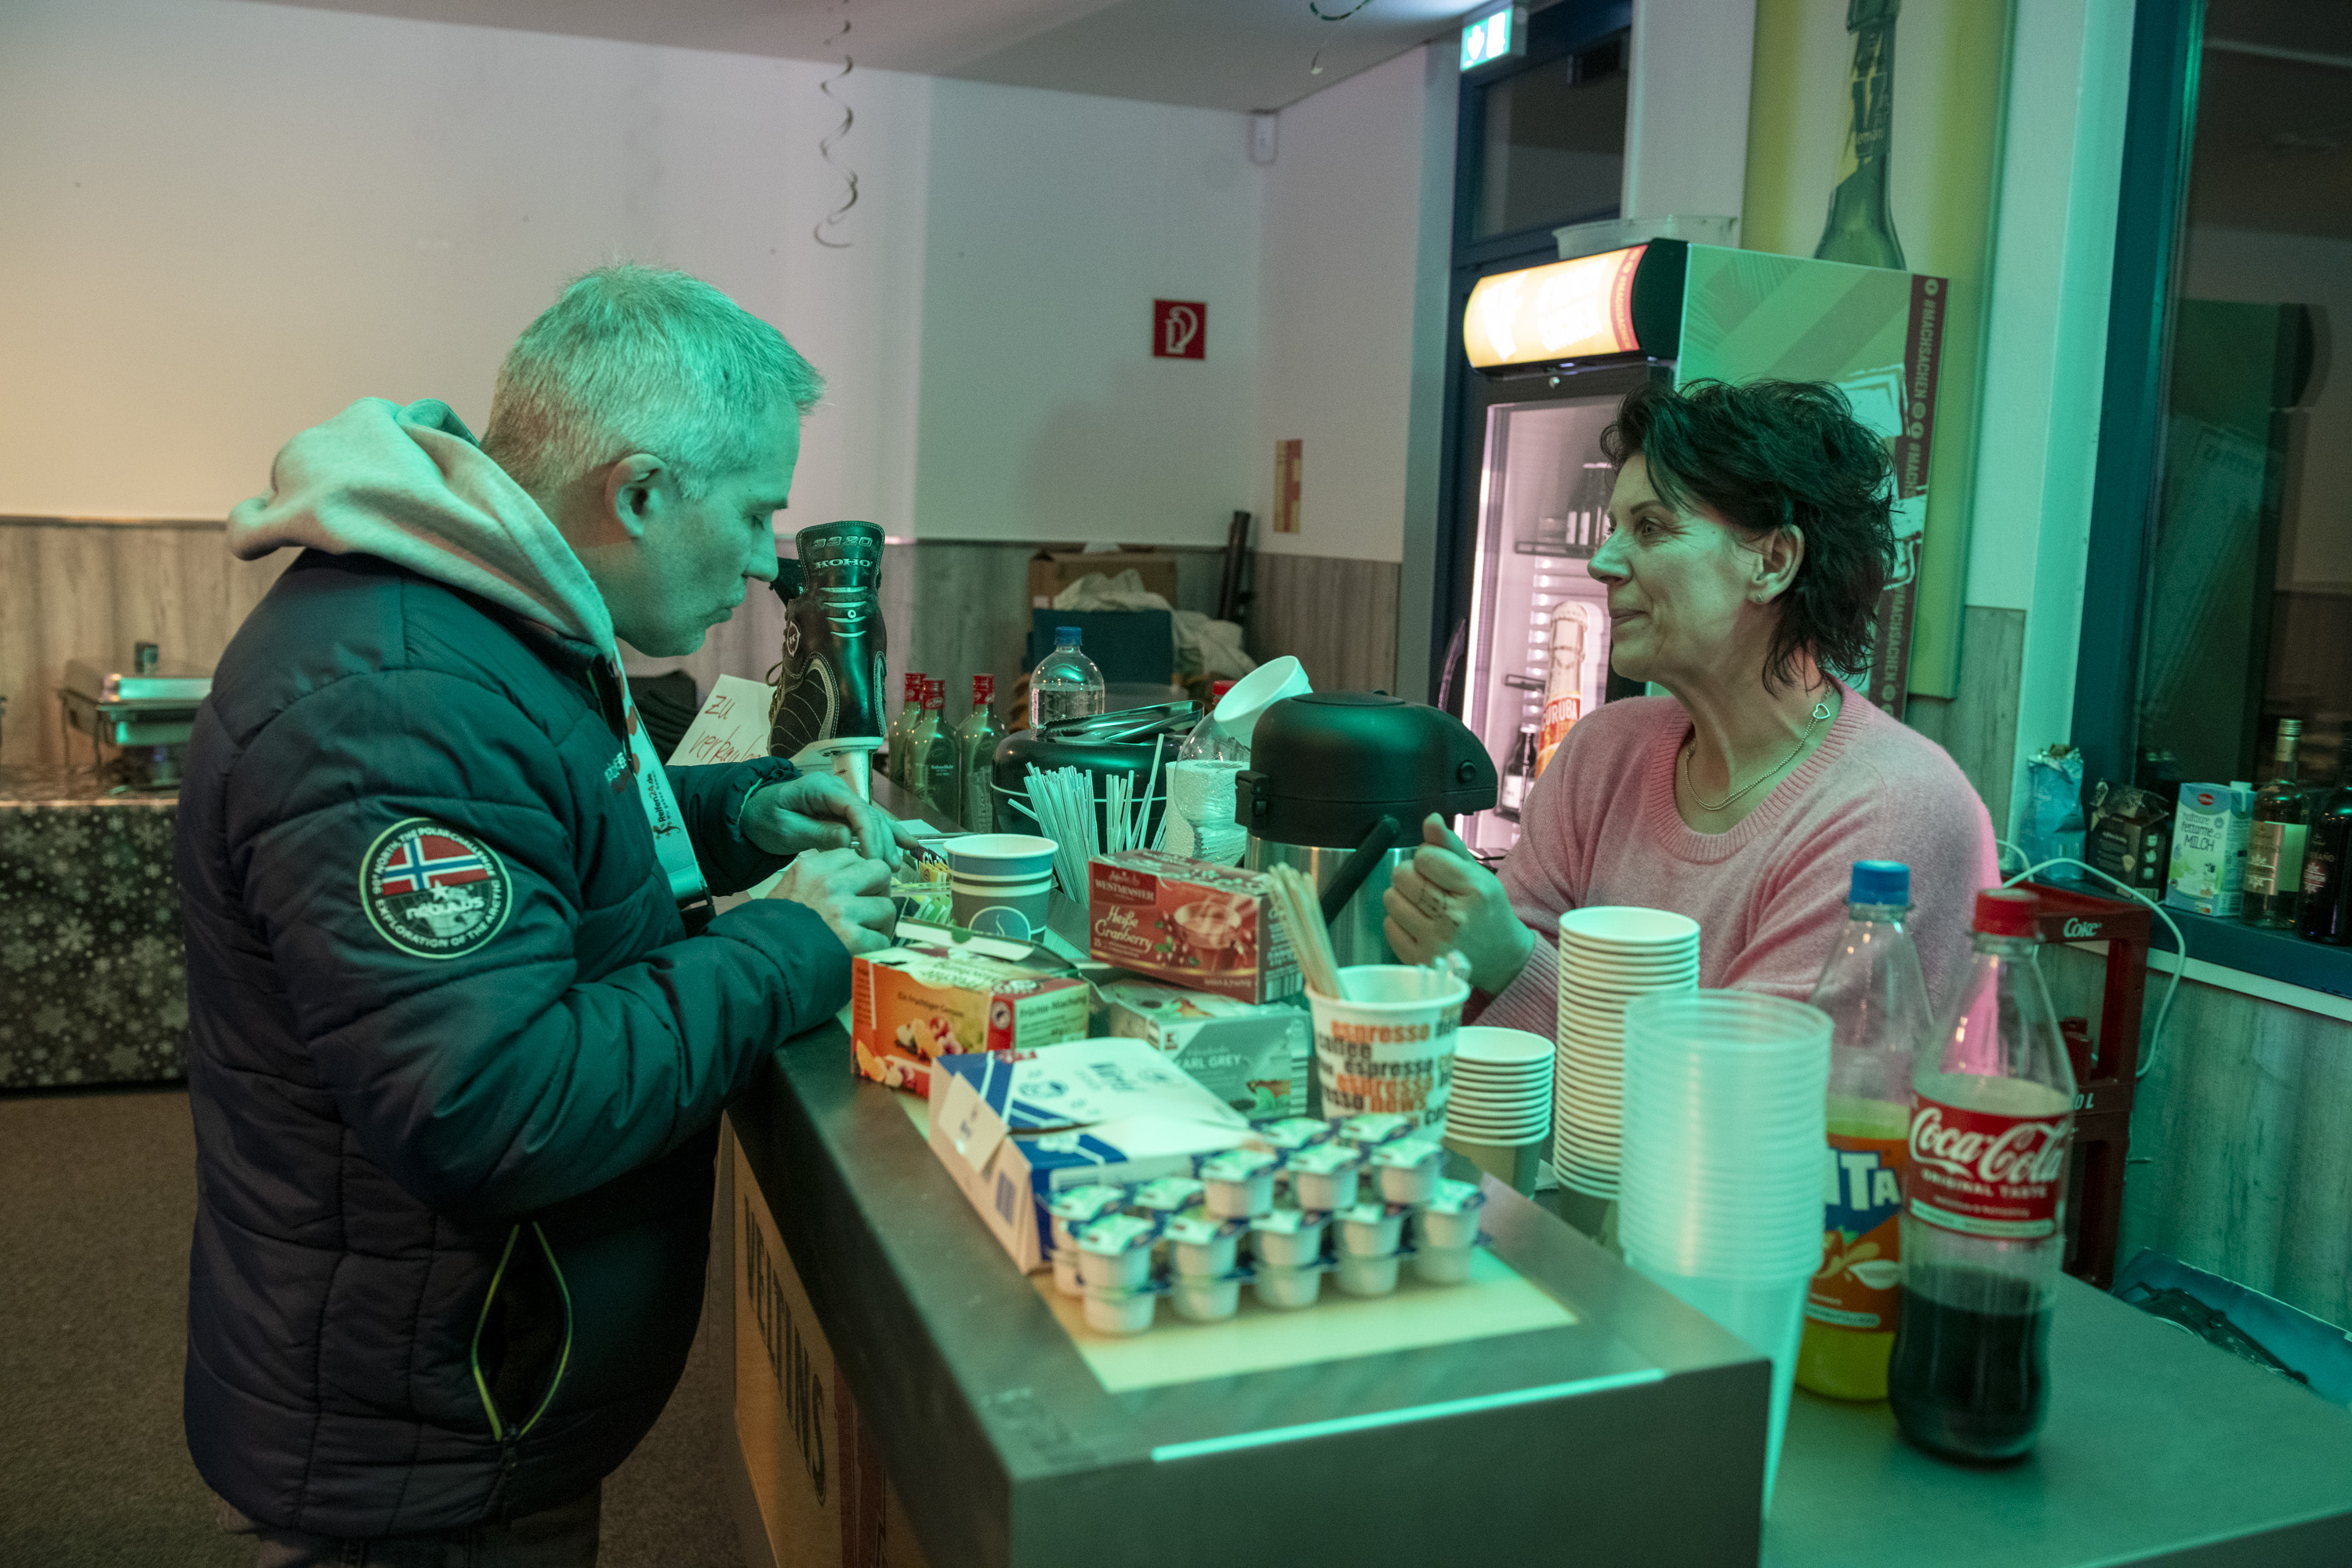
1769	454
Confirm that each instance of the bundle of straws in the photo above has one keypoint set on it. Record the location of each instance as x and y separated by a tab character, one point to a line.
1063	802
1300	910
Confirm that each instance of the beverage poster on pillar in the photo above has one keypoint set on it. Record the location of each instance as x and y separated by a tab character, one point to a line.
1873	139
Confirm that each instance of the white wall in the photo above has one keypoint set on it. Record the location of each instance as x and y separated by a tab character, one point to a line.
1360	185
1687	107
1055	220
226	220
2045	349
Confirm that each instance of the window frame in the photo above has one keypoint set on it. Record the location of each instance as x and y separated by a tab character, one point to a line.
2159	139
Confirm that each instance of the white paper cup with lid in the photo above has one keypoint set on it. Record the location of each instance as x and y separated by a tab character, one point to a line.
1239	1182
1442	1265
1116	1310
1205	1300
1370	1229
1288	1287
1324	1177
1200	1245
1408	1169
1360	1275
1115	1252
1288	1238
1451	1217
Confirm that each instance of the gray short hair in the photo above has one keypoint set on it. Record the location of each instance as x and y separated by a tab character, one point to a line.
641	358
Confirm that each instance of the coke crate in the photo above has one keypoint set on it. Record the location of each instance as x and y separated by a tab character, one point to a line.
2106	1059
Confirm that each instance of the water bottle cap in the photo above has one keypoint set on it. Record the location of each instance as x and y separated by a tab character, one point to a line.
1880	882
1065	637
2007	912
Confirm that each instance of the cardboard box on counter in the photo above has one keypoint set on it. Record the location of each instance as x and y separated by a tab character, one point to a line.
1246	1054
1051	571
913	1004
1013	1127
1191	923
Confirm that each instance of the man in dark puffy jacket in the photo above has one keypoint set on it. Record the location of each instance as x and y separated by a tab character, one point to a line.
455	1060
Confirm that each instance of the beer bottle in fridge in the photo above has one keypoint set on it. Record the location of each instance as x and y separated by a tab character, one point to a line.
1877	1002
1982	1234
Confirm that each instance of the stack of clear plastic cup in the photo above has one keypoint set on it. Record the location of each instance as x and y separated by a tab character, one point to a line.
1727	1097
1608	956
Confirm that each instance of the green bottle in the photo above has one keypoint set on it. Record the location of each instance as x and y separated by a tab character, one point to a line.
1861	227
976	740
910	707
933	756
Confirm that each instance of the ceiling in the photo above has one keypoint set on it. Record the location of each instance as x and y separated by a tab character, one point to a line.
1236	55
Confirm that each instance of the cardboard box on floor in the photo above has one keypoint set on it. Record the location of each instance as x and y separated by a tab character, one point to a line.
1052	569
825	1498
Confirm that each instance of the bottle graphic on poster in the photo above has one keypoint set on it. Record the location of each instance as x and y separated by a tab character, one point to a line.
2274	846
1876	998
1564	686
1983	1218
1519	772
1860	226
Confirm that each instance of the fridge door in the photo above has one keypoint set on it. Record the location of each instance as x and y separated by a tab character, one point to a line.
1537	652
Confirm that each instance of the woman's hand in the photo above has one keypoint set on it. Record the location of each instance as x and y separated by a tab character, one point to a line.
818	811
1443	900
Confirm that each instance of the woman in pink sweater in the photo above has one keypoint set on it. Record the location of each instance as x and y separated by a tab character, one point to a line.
1749	545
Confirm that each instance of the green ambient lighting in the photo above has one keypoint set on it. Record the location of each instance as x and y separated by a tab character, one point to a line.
1498	35
1167	1452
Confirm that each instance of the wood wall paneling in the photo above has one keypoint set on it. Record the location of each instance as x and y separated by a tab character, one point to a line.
1978	727
89	589
1337	617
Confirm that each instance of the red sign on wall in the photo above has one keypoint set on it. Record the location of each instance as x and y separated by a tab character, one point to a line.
1179	329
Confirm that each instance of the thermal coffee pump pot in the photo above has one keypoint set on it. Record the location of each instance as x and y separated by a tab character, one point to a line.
1338	786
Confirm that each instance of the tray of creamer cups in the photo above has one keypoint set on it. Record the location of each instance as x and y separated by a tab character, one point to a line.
1166	1197
1239	1182
1445	1229
1406	1170
1291	1134
1324	1176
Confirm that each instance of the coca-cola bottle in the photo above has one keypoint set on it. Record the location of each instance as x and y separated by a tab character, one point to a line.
1983	1222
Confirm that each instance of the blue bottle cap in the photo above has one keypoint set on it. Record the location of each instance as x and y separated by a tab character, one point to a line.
1065	637
1880	882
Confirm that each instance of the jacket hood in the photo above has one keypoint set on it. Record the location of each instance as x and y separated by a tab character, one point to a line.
411	486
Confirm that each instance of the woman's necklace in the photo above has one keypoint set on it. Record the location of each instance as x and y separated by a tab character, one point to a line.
1821	711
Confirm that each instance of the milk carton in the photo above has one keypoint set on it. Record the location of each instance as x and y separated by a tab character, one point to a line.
2209	848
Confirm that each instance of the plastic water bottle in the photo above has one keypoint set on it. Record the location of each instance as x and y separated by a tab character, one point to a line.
1983	1222
1876	998
1065	683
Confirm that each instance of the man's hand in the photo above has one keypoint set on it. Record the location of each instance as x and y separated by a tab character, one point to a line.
818	811
850	891
1442	899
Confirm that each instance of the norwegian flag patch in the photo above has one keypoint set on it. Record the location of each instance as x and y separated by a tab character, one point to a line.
432	891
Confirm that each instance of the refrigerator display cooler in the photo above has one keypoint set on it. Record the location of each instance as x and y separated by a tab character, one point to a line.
1554	349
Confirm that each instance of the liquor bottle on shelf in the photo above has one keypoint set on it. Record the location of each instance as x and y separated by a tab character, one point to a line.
2327	871
910	707
1519	772
1861	227
2274	847
920	738
942	774
976	740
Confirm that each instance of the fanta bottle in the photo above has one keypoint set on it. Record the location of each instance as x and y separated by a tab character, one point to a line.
1877	1002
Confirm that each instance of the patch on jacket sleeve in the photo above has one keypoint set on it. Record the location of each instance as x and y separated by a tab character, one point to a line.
432	891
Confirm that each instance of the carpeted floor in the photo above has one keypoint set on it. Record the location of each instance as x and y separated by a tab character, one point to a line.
96	1196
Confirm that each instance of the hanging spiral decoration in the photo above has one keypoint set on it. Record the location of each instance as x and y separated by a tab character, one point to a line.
839	43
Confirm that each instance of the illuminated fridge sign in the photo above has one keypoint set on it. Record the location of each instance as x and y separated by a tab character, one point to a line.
1565	310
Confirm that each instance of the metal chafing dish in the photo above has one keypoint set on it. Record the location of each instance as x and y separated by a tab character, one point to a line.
145	714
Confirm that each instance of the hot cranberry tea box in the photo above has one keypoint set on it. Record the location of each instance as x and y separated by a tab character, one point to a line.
913	1004
1188	922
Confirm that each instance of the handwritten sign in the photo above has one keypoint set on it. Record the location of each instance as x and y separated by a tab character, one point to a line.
732	725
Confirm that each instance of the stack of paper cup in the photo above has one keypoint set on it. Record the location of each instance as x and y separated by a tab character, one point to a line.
1609	954
1500	1114
1201	823
1725	1118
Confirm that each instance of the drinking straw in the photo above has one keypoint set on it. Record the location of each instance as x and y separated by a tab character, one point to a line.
1151	787
1301	913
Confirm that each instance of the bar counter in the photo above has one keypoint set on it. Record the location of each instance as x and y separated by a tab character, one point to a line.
1633	1435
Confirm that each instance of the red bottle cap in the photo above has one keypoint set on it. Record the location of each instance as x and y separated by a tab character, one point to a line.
2008	911
984	687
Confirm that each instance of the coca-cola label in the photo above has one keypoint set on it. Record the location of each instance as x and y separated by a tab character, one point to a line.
1859	1282
1984	1172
